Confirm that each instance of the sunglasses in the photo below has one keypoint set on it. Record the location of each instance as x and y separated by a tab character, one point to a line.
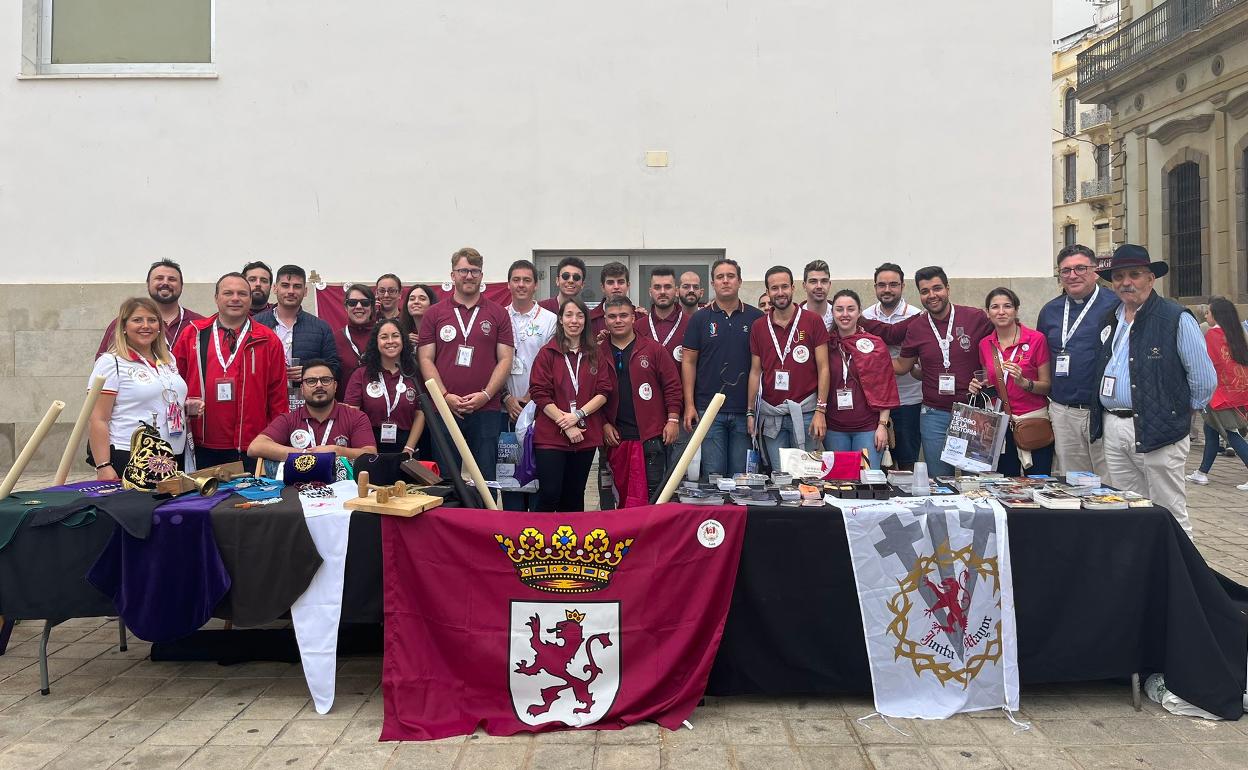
571	277
358	303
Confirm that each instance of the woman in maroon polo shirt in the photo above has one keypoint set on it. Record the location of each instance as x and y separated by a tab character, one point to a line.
570	384
863	389
419	300
384	388
352	339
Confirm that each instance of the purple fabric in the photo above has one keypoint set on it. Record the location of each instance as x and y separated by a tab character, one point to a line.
89	488
165	587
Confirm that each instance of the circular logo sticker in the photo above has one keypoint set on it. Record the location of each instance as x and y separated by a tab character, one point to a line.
447	333
447	286
965	342
342	441
486	326
711	533
801	354
644	362
141	376
301	439
678	351
1104	334
374	390
401	387
1026	347
645	391
865	345
410	395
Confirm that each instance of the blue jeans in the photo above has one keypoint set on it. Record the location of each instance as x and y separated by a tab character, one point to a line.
784	440
905	435
1213	446
933	424
854	442
725	445
480	431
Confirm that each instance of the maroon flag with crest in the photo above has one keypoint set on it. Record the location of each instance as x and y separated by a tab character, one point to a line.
527	622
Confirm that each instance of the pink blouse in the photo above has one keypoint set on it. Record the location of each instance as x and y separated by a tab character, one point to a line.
1031	350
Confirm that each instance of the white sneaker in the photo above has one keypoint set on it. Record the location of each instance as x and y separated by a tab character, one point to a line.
1242	486
1196	477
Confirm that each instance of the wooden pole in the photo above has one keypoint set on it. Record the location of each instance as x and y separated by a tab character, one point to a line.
75	435
41	431
695	442
465	454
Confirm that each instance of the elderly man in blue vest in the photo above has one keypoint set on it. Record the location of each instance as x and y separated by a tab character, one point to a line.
1153	372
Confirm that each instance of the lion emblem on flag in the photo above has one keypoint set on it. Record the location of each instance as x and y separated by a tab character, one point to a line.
567	670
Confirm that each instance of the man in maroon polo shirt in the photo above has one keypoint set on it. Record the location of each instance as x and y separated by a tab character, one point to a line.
643	412
667	319
789	369
164	286
321	424
569	279
615	283
466	346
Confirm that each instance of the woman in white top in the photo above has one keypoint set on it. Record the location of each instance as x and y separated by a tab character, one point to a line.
141	384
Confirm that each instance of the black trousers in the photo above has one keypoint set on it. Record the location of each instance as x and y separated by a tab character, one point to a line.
391	447
561	479
206	458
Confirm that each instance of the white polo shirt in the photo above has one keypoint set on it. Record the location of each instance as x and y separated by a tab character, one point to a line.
141	391
532	331
909	389
829	318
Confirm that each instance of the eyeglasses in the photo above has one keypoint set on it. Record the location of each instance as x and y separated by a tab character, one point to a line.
888	285
1076	270
690	287
314	381
385	291
571	277
468	272
358	303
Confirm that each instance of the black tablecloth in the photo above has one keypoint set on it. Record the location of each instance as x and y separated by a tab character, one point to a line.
1098	595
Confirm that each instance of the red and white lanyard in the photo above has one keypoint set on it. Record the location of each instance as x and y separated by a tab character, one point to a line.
771	327
575	375
654	335
238	346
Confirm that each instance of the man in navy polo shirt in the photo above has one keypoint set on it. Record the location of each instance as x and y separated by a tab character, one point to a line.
717	352
1072	324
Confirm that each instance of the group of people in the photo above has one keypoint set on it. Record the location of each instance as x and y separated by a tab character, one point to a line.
1116	370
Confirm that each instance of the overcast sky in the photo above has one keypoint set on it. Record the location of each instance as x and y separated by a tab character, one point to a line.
1070	15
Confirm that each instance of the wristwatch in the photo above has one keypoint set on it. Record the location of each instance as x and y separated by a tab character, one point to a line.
580	414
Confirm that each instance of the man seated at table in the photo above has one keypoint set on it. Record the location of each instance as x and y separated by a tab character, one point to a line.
320	425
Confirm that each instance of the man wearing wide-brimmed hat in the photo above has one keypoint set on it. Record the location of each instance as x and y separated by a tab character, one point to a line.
1153	372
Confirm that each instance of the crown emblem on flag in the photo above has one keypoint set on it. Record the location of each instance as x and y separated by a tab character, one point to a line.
567	564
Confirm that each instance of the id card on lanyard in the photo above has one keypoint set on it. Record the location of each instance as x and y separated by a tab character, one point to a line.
781	374
946	383
463	355
1061	362
225	385
844	394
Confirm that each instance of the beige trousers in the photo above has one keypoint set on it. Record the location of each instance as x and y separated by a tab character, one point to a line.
1158	475
1072	444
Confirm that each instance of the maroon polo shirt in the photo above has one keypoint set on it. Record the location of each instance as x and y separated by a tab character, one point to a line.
670	330
801	366
348	358
374	406
970	325
862	416
350	428
441	327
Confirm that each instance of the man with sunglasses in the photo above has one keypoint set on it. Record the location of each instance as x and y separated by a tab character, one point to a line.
569	279
164	286
321	424
1072	324
466	346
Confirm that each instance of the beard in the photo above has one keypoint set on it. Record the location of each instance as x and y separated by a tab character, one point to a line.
165	296
259	298
319	399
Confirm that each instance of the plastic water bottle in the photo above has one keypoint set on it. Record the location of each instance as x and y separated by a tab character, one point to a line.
919	486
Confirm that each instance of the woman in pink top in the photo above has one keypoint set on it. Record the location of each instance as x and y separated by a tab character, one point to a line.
1019	356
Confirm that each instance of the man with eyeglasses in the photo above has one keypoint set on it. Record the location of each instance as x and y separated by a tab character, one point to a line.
1072	324
389	291
260	282
164	286
569	280
817	281
1152	372
466	346
891	308
690	293
321	424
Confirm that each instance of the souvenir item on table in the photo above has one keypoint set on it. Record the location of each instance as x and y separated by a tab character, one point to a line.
781	479
753	497
790	495
696	496
801	464
901	479
872	477
151	460
1083	479
1109	502
1051	497
306	467
314	490
974	438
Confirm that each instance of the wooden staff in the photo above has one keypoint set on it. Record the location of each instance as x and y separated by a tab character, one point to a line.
41	431
465	454
695	442
75	435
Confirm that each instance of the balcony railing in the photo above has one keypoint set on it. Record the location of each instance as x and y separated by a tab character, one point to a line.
1068	195
1094	117
1094	188
1155	29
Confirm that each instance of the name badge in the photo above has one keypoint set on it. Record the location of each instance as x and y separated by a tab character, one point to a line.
1107	385
389	432
782	380
844	399
1061	365
225	390
947	386
463	356
517	366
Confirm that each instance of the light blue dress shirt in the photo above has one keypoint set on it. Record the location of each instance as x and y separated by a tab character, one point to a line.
1201	377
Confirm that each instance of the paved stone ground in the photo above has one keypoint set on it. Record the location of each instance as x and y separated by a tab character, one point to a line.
114	709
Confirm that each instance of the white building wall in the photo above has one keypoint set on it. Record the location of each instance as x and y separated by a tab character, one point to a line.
361	139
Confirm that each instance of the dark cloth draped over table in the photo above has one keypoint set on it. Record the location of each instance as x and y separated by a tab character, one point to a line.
1098	595
18	507
166	586
131	509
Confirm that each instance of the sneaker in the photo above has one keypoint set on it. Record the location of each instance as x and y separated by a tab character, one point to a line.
1242	486
1196	477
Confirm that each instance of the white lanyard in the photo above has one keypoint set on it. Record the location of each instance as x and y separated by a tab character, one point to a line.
381	380
178	328
771	327
575	375
654	335
325	438
466	327
346	332
947	341
238	346
1124	328
1005	376
1066	335
845	360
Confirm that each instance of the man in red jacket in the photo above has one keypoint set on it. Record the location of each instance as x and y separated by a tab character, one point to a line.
643	412
235	372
